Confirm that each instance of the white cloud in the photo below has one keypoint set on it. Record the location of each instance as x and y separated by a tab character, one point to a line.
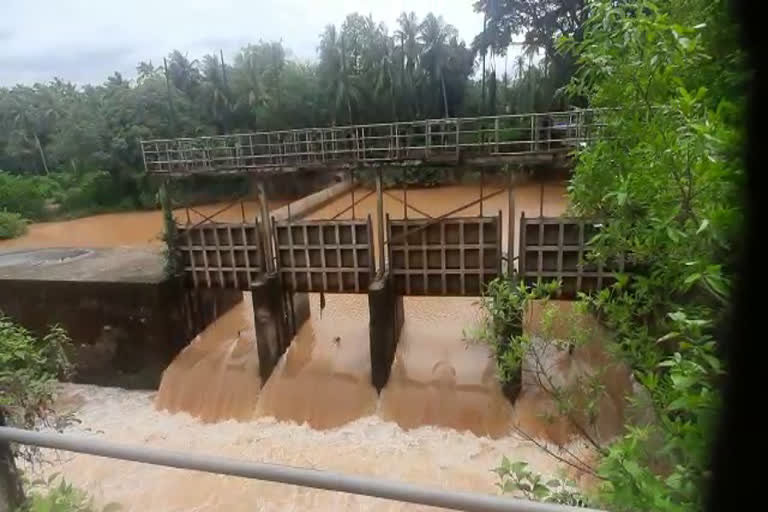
87	40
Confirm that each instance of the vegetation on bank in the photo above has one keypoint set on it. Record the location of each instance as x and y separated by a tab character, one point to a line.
12	225
57	495
30	366
61	195
668	186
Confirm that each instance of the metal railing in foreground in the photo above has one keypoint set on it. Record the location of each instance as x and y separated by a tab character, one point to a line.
327	480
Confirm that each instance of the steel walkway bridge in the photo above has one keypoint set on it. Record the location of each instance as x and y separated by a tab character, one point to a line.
282	258
492	141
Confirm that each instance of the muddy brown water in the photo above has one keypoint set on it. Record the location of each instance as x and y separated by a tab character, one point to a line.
126	228
441	419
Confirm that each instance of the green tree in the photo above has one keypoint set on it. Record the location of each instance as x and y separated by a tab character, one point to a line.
434	36
535	25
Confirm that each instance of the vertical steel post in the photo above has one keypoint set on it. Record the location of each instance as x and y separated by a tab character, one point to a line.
352	190
380	220
458	140
510	226
266	228
482	180
405	194
533	143
541	199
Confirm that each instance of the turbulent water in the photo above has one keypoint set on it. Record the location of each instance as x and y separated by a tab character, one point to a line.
428	455
441	419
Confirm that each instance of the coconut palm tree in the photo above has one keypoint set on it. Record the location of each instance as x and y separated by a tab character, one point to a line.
410	50
434	34
334	67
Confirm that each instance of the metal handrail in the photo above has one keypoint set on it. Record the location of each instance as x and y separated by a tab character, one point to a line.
420	122
495	136
327	480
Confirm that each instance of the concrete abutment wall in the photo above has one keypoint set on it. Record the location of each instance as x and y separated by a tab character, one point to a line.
123	333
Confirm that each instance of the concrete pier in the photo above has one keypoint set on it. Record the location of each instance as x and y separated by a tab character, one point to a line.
386	321
277	318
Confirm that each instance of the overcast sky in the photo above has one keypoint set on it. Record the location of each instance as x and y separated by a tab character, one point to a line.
86	40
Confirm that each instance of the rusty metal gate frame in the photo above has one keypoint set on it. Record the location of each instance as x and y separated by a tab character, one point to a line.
555	248
401	233
314	249
221	255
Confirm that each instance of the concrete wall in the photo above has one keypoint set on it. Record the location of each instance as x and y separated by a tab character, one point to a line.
386	319
124	333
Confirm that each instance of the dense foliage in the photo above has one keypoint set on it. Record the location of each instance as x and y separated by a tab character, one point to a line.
534	26
504	301
669	185
57	495
29	367
12	225
515	477
671	79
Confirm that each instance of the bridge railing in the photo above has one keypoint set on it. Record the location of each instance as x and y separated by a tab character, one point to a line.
431	140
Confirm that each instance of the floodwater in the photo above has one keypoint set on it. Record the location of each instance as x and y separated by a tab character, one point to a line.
132	229
441	420
369	446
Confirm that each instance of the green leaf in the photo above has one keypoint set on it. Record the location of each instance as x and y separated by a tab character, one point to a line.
677	404
703	226
692	279
673	235
518	466
632	467
540	491
509	487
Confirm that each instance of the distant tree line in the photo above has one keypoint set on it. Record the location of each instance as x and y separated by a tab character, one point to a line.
364	73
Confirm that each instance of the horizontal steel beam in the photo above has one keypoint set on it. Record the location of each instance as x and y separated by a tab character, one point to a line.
327	480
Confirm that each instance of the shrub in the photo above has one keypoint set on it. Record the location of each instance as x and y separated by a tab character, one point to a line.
12	225
504	301
29	367
516	478
23	195
93	192
49	496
